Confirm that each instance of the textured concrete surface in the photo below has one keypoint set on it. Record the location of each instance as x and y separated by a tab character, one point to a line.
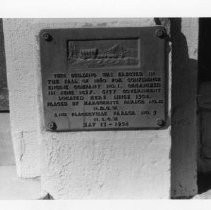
14	188
113	164
104	165
23	101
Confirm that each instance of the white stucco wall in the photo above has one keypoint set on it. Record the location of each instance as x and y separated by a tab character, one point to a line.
22	85
100	164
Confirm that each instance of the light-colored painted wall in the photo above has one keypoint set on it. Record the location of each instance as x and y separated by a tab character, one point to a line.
23	95
113	164
101	164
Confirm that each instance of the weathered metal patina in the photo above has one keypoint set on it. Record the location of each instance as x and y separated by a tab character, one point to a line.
103	78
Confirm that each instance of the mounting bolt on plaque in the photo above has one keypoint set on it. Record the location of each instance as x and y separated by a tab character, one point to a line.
52	126
161	122
47	37
161	33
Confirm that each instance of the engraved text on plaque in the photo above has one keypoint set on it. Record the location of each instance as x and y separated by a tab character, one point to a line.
103	79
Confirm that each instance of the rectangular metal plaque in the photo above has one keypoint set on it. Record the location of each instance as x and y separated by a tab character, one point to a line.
103	78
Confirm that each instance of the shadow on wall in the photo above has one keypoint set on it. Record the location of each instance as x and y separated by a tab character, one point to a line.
6	147
4	100
184	119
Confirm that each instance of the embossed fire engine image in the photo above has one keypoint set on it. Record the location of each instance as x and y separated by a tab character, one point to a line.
113	54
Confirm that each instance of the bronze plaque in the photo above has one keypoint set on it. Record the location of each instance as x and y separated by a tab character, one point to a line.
104	78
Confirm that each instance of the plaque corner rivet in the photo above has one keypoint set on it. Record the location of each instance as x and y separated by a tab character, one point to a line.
52	126
161	33
47	36
161	122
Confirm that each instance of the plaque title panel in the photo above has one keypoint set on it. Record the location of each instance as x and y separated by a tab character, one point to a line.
103	78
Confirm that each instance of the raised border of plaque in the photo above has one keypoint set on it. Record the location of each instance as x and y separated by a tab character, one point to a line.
104	78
